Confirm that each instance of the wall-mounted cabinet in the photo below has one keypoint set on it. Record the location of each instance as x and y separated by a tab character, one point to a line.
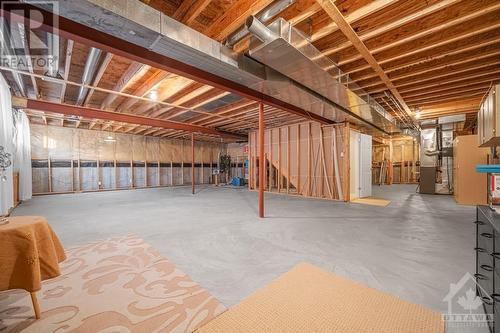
488	119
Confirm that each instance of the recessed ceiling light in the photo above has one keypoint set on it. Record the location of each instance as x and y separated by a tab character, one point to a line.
153	94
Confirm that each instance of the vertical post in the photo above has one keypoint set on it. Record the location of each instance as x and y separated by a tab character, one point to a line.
72	176
261	160
97	175
49	168
298	160
158	173
288	175
192	163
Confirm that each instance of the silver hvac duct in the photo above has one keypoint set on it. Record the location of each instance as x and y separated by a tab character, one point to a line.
53	59
288	51
264	15
9	52
88	73
259	30
309	87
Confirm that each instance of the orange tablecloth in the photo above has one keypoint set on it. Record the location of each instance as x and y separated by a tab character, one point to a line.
30	252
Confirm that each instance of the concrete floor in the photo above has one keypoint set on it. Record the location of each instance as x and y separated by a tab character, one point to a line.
414	248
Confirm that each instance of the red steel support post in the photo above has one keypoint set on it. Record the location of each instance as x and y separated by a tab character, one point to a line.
192	163
261	160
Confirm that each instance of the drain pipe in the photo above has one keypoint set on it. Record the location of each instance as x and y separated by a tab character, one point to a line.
88	73
259	30
265	15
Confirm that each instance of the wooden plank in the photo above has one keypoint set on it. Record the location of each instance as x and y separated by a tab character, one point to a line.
288	173
234	17
279	175
393	24
309	160
134	70
154	79
347	30
270	181
298	159
362	12
189	10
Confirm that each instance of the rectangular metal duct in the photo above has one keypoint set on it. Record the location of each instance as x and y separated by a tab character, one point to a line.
142	25
288	51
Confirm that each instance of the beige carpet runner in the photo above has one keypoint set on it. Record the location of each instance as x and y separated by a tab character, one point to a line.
308	299
118	285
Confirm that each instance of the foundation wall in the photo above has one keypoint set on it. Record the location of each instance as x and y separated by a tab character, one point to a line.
71	160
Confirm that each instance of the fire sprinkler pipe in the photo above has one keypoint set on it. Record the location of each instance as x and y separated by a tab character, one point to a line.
261	160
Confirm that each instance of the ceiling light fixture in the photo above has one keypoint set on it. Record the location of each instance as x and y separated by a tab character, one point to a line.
110	138
418	113
153	94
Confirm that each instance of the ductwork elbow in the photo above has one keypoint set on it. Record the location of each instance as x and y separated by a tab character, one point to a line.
259	30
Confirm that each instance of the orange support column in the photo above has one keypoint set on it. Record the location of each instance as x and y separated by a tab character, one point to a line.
261	160
192	163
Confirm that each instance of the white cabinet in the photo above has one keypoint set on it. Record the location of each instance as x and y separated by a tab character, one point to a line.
488	119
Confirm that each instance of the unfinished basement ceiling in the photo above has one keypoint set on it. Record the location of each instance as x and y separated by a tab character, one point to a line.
436	52
441	57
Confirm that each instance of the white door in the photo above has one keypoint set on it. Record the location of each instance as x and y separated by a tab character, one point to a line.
354	163
365	166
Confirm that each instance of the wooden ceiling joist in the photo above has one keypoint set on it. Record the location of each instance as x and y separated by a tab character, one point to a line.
433	45
88	36
393	25
362	12
232	19
189	10
453	30
332	10
144	88
132	71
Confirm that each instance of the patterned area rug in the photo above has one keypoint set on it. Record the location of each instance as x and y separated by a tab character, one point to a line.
121	284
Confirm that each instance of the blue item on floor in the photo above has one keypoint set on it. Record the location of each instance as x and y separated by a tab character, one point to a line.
237	181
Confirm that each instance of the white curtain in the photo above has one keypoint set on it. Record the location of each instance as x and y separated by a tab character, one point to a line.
6	141
22	153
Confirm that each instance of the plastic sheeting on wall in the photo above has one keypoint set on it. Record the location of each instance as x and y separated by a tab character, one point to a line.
22	154
129	161
6	132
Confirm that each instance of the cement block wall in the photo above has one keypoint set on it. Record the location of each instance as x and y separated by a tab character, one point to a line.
69	159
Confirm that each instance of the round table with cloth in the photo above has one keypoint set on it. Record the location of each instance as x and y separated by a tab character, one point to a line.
30	252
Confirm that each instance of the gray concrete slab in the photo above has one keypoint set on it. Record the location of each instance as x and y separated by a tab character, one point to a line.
414	248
